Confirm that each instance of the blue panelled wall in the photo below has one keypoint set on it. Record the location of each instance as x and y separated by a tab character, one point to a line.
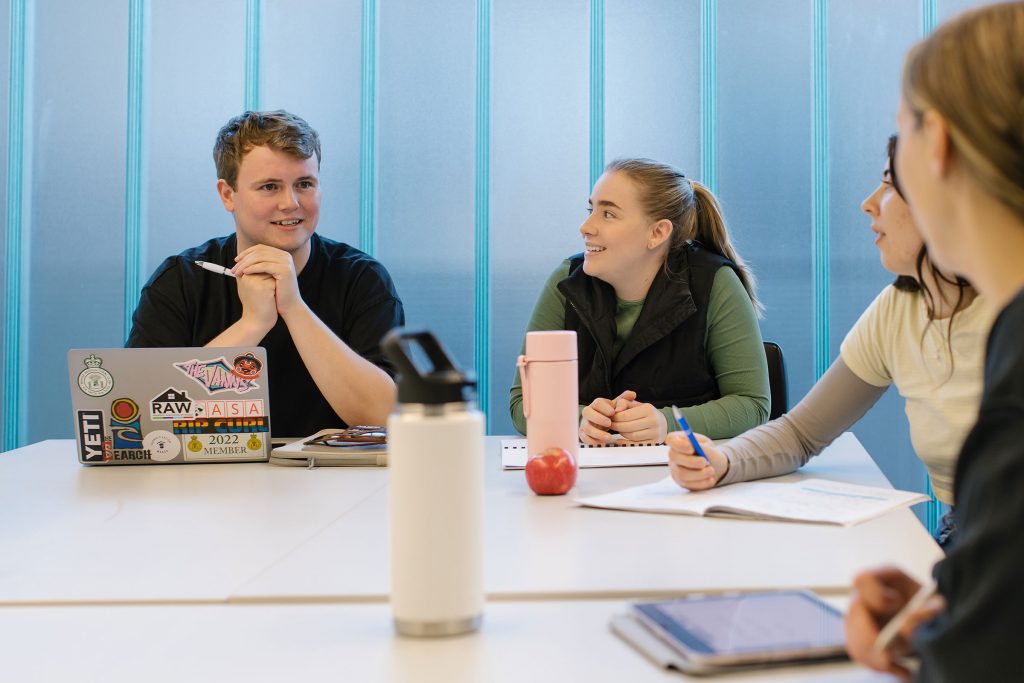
460	142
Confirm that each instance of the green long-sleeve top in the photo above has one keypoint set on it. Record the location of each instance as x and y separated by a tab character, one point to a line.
732	341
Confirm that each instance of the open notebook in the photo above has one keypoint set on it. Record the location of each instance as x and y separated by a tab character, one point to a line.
615	454
806	500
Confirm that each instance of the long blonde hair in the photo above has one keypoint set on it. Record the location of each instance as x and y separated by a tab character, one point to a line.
970	70
691	207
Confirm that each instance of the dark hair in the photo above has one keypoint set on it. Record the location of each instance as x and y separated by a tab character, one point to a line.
906	283
279	130
692	209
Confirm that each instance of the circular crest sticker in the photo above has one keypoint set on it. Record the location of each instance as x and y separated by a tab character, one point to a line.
94	380
162	445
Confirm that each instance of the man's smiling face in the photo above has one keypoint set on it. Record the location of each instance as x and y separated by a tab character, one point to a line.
276	201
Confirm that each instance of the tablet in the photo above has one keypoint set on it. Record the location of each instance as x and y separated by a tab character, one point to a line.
729	630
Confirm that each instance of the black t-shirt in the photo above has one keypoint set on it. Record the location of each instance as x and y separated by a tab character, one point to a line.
184	305
980	636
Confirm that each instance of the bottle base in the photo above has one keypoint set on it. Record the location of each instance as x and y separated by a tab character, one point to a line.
438	629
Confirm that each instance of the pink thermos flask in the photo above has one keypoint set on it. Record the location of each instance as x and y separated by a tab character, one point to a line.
550	392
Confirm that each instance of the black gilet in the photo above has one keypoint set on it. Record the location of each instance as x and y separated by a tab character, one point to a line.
663	359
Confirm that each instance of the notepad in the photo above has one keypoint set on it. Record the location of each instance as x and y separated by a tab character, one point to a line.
818	501
615	454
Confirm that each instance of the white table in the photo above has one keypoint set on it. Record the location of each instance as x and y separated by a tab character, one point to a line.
259	573
549	548
519	641
155	533
252	532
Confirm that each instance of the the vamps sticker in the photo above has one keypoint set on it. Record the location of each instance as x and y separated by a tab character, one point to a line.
216	375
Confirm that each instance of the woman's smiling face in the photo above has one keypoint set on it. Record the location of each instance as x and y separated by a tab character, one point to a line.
616	234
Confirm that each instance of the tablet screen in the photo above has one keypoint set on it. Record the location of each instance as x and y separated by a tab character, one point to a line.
759	625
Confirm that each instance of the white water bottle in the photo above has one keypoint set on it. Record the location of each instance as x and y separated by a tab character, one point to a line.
436	492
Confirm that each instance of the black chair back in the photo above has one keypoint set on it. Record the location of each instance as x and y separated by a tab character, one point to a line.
777	379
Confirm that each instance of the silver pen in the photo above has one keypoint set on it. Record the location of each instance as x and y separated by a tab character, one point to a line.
214	268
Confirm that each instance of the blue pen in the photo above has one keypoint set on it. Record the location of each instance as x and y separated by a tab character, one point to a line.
689	433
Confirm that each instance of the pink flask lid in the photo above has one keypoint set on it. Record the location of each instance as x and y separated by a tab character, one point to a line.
551	346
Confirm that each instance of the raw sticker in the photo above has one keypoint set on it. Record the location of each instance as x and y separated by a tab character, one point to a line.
174	404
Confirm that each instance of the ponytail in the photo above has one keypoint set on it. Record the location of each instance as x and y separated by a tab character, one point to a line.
692	209
710	231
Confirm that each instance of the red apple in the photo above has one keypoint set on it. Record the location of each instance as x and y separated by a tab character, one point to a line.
552	472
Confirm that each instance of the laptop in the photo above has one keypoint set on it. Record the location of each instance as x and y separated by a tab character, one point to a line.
170	405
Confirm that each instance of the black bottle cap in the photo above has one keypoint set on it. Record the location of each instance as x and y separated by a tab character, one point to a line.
440	383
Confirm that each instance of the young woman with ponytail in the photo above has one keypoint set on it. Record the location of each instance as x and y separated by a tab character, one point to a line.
664	310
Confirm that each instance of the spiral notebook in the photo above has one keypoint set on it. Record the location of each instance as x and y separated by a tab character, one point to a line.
615	454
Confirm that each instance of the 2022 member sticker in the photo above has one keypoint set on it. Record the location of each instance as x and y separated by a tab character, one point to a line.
222	446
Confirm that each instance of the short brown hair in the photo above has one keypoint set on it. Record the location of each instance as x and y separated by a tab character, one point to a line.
278	130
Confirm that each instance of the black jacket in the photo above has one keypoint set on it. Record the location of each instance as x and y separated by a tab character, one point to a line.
978	638
664	359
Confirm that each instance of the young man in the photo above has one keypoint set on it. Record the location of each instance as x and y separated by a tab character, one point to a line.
319	307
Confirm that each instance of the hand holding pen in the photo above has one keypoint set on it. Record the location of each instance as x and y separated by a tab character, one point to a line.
693	460
885	609
258	294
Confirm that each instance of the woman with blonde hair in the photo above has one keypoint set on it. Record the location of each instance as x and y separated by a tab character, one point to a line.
961	162
664	310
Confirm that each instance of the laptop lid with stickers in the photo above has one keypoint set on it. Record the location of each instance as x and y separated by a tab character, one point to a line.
170	405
